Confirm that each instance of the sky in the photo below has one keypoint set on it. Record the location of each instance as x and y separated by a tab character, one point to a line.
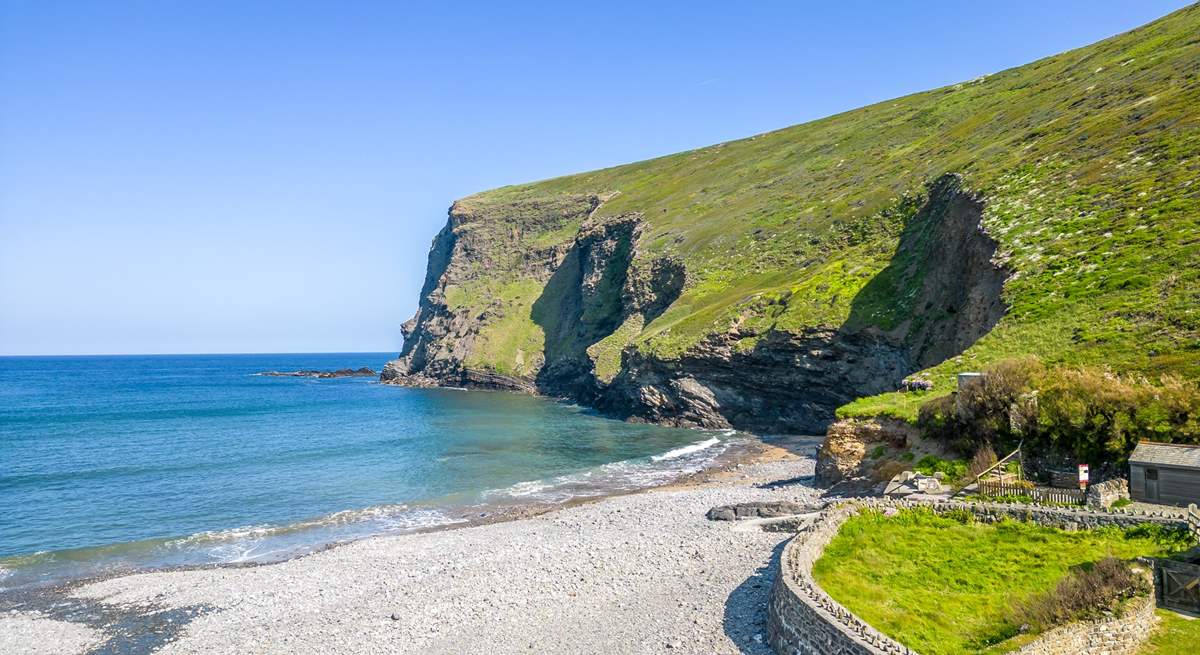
220	177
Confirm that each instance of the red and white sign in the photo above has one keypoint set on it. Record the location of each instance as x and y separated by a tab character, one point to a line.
1083	476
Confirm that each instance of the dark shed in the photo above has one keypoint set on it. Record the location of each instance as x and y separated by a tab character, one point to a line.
1165	473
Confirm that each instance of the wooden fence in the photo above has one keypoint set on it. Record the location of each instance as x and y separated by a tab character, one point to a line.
1038	494
1177	585
1193	519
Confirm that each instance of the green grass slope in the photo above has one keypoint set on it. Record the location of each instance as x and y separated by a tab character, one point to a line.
1088	163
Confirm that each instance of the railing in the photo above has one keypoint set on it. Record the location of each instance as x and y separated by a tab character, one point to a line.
1000	462
1038	494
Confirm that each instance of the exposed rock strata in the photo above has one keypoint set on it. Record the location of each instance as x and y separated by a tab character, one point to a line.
943	274
843	454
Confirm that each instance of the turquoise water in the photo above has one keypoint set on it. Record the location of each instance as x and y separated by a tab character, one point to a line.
135	462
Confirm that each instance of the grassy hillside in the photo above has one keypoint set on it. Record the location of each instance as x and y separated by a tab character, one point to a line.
1087	163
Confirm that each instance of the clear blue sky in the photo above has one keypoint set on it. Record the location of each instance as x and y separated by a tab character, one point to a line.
267	176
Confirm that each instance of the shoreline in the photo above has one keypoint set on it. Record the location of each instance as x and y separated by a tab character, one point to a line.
75	599
324	532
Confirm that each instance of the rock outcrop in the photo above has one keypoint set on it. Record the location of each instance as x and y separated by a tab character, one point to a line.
340	373
598	282
843	454
764	282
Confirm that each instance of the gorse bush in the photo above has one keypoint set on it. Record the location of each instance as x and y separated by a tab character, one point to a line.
1090	413
991	411
1085	593
1099	415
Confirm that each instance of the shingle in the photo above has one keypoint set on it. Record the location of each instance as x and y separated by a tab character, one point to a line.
1166	454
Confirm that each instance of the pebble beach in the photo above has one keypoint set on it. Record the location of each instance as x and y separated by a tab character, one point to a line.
637	573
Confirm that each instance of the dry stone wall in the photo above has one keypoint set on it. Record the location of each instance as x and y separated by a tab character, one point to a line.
1116	635
804	620
1104	494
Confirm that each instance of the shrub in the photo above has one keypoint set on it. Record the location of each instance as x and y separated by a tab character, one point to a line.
994	410
984	459
952	469
1168	537
1085	593
1089	413
1098	415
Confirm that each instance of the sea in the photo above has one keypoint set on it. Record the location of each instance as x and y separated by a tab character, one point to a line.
111	464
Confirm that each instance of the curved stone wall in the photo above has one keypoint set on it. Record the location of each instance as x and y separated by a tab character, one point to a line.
804	620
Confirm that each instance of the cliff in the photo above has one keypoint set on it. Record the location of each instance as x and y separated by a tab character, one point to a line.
1049	209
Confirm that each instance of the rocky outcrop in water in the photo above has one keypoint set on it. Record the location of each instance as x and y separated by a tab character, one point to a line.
340	373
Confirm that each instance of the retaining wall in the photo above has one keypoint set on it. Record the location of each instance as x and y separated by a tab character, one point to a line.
804	620
1116	635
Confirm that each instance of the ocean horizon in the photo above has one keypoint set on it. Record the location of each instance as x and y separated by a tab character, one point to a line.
130	462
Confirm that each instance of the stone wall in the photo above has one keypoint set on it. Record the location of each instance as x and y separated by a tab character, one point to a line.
1116	635
1104	494
804	620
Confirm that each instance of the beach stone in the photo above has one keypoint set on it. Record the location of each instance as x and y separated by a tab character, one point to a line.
759	510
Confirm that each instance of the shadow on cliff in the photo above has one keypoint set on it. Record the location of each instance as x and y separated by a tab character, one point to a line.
590	294
580	305
745	619
939	293
941	290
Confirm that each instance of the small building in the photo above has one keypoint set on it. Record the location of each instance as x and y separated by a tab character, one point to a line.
1165	473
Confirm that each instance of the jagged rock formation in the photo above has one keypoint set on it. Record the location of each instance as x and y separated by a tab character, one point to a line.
764	283
788	381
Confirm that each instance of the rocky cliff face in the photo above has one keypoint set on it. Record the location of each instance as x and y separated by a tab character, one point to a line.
763	282
597	285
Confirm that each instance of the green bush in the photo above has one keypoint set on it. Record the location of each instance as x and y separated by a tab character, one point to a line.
1090	413
1098	415
952	469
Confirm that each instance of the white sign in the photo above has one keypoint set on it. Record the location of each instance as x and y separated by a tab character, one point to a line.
1083	475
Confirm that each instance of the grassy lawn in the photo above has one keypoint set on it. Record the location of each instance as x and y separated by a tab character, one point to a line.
940	586
1176	635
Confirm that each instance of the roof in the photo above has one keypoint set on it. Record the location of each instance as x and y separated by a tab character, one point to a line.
1166	454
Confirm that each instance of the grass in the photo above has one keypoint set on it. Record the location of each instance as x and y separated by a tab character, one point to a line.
1175	635
1087	161
942	587
954	470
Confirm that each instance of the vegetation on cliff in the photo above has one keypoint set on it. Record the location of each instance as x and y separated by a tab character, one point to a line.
1050	210
1091	414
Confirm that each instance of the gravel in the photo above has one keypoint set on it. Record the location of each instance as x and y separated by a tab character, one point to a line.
31	633
641	573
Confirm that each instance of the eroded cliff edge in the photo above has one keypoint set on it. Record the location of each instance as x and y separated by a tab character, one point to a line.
763	282
571	322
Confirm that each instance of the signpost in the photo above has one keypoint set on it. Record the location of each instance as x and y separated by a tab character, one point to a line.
1083	477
